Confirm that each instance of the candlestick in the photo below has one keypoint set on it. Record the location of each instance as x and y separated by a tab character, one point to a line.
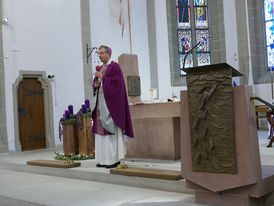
67	114
87	103
152	94
70	108
84	108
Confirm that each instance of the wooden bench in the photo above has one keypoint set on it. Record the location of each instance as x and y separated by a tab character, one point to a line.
260	108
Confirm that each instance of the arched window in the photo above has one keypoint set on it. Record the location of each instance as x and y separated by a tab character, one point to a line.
269	31
192	28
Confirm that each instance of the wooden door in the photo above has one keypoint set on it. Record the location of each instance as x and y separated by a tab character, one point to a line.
31	114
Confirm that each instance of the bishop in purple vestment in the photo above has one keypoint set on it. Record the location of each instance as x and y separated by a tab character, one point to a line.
110	112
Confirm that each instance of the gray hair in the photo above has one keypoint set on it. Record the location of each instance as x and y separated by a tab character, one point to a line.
106	48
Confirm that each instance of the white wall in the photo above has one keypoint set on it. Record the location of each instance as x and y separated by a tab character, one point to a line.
106	30
263	91
140	44
231	40
164	82
44	35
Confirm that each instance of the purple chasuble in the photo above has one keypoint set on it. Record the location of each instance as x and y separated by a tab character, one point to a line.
116	98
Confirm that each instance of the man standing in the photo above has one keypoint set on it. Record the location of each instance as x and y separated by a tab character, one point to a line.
269	116
110	112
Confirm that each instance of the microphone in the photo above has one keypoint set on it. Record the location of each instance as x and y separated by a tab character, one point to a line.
97	69
198	44
205	38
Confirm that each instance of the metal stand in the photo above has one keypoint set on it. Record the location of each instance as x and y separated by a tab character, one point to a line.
271	82
89	51
198	44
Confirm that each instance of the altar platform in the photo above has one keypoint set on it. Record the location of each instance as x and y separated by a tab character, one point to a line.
23	184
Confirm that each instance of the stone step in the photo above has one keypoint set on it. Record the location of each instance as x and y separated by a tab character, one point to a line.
101	175
3	148
11	201
21	188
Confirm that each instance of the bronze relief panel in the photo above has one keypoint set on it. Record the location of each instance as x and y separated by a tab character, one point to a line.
211	119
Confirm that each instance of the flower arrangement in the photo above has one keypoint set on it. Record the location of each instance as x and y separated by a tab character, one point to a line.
60	156
79	119
69	117
75	119
270	69
66	119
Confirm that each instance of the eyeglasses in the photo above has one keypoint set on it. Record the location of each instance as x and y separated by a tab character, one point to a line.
100	53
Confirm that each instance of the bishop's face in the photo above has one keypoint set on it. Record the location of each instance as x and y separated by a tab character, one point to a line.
103	55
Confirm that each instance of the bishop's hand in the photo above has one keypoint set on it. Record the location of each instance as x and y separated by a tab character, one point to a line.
99	75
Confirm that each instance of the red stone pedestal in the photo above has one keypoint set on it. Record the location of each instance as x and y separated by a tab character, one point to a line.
252	183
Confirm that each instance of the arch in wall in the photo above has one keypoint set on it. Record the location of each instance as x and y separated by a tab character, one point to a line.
48	106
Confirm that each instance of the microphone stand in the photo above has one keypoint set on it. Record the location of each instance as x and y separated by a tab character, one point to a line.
187	53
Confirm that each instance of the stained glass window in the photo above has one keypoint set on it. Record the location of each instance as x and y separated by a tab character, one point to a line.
269	30
270	57
202	36
184	40
200	10
188	61
200	3
269	13
203	59
192	29
183	13
200	17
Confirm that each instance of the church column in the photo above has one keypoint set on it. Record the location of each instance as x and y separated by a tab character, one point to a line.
242	40
217	31
176	78
152	45
85	33
162	48
256	42
231	40
3	121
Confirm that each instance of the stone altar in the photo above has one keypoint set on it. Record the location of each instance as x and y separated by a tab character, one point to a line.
157	131
156	125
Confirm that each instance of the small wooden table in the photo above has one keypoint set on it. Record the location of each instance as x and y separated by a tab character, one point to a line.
260	108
